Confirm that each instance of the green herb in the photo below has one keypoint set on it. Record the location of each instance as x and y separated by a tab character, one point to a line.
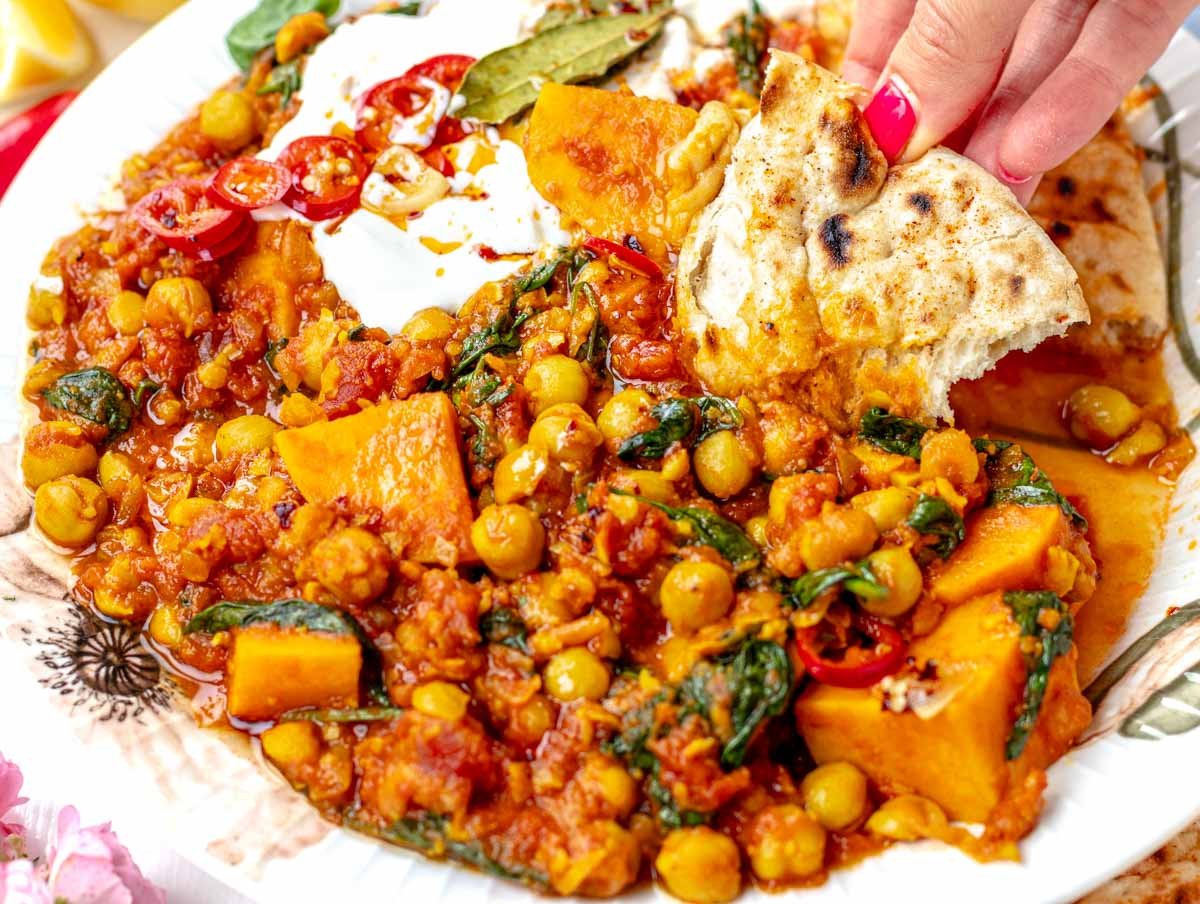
539	277
1016	478
428	833
748	39
483	439
716	414
581	503
858	579
504	83
404	9
637	726
500	337
892	433
144	388
338	716
284	80
933	516
504	626
291	613
667	808
95	395
1052	642
594	350
676	421
357	333
758	678
274	347
712	530
257	30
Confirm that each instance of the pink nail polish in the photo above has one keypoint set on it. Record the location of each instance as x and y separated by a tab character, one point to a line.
891	118
1010	178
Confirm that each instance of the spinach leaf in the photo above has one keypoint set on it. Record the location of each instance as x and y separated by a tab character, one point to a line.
504	626
500	337
1016	478
404	9
667	808
760	678
892	433
335	716
1044	617
747	38
539	277
283	80
274	347
676	421
716	414
95	395
291	613
858	579
712	530
145	387
594	350
258	28
932	515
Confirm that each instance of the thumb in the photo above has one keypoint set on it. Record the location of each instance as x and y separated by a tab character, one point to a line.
942	69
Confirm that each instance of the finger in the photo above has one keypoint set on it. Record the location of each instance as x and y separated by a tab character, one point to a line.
877	27
1044	39
942	69
1119	41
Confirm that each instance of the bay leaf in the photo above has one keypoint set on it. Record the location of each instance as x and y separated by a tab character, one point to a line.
504	83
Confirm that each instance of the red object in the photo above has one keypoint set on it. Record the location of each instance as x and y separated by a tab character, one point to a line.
183	216
634	259
327	176
438	160
448	69
230	244
404	96
891	118
247	183
21	134
859	666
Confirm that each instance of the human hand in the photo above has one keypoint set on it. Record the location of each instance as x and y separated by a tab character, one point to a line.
1018	85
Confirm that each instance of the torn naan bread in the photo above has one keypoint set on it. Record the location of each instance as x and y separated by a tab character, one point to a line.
819	267
1095	209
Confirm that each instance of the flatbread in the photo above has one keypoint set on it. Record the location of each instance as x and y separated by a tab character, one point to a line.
818	266
1168	876
1095	209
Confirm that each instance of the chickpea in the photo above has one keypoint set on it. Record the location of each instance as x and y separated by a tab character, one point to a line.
949	454
245	435
179	301
756	528
70	511
722	465
567	434
115	471
626	413
1147	440
519	472
45	309
56	449
165	627
184	512
429	325
527	724
838	534
695	594
908	818
227	119
555	380
509	538
441	700
785	843
887	507
298	34
292	743
1100	415
700	865
125	313
835	795
900	574
576	673
353	564
615	784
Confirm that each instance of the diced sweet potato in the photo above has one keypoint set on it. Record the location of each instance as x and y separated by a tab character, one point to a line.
957	756
1005	549
399	459
272	670
599	156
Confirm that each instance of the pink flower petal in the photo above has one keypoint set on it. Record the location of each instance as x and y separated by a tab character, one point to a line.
10	795
90	866
20	884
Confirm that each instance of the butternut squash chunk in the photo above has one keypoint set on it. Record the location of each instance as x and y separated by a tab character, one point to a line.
398	459
957	756
272	670
600	157
1005	549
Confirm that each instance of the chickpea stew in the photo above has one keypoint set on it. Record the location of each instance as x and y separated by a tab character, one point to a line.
502	582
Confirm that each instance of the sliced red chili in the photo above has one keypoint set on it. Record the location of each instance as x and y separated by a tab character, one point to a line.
183	216
248	183
388	101
327	175
447	69
437	159
858	666
626	255
229	244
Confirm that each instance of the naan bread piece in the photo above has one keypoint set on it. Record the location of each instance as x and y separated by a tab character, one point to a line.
1095	209
819	267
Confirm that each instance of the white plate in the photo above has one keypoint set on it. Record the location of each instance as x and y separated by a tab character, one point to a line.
1110	802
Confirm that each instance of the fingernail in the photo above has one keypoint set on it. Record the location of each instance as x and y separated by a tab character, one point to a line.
892	117
1010	178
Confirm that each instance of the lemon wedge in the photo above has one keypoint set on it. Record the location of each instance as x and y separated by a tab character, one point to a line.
41	43
146	10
